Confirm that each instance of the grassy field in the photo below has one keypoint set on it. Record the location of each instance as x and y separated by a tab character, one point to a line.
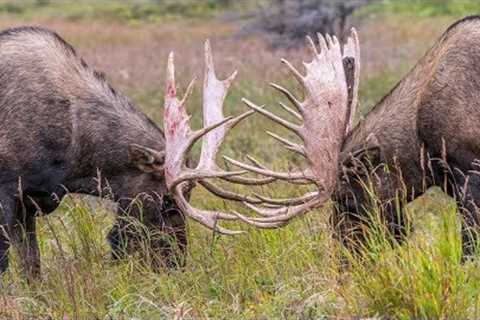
292	273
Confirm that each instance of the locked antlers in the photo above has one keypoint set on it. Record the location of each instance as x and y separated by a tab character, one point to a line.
331	87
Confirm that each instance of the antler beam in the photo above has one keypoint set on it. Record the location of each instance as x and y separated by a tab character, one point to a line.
179	138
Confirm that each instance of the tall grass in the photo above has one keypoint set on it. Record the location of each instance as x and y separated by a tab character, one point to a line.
421	279
294	273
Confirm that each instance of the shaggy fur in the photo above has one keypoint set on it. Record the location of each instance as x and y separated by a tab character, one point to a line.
426	133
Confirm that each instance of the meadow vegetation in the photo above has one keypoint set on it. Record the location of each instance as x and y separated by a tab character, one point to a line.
298	272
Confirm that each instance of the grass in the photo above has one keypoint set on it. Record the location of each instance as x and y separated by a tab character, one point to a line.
292	273
422	279
426	8
127	11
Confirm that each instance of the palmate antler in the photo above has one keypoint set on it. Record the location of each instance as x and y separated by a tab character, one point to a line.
327	113
331	89
179	138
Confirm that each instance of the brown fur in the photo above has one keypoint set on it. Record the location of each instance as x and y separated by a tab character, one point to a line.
64	129
428	122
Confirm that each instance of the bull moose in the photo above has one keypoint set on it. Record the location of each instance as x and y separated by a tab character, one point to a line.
65	129
421	134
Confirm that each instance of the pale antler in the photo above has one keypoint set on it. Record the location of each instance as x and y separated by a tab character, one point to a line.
180	138
351	62
327	113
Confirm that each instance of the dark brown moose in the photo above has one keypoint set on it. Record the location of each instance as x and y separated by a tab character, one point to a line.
63	128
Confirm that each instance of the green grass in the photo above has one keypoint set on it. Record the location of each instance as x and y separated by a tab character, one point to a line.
424	8
159	10
422	279
132	11
292	273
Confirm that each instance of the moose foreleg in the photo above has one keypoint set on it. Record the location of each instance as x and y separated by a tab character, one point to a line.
26	245
7	211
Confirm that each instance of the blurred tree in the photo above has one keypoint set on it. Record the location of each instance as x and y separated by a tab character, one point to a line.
288	21
41	3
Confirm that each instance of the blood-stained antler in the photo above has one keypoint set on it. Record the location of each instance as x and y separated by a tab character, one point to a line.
327	114
179	138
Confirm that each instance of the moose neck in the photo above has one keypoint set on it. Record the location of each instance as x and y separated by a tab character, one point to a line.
391	125
399	107
98	164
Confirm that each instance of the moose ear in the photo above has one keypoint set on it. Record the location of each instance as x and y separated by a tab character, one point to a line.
146	159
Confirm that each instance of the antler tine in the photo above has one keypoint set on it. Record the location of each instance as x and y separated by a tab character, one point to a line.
267	211
207	218
301	177
249	181
289	95
288	176
294	71
260	181
351	50
292	146
275	217
255	162
261	225
171	90
214	93
287	201
291	126
229	195
291	111
312	46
